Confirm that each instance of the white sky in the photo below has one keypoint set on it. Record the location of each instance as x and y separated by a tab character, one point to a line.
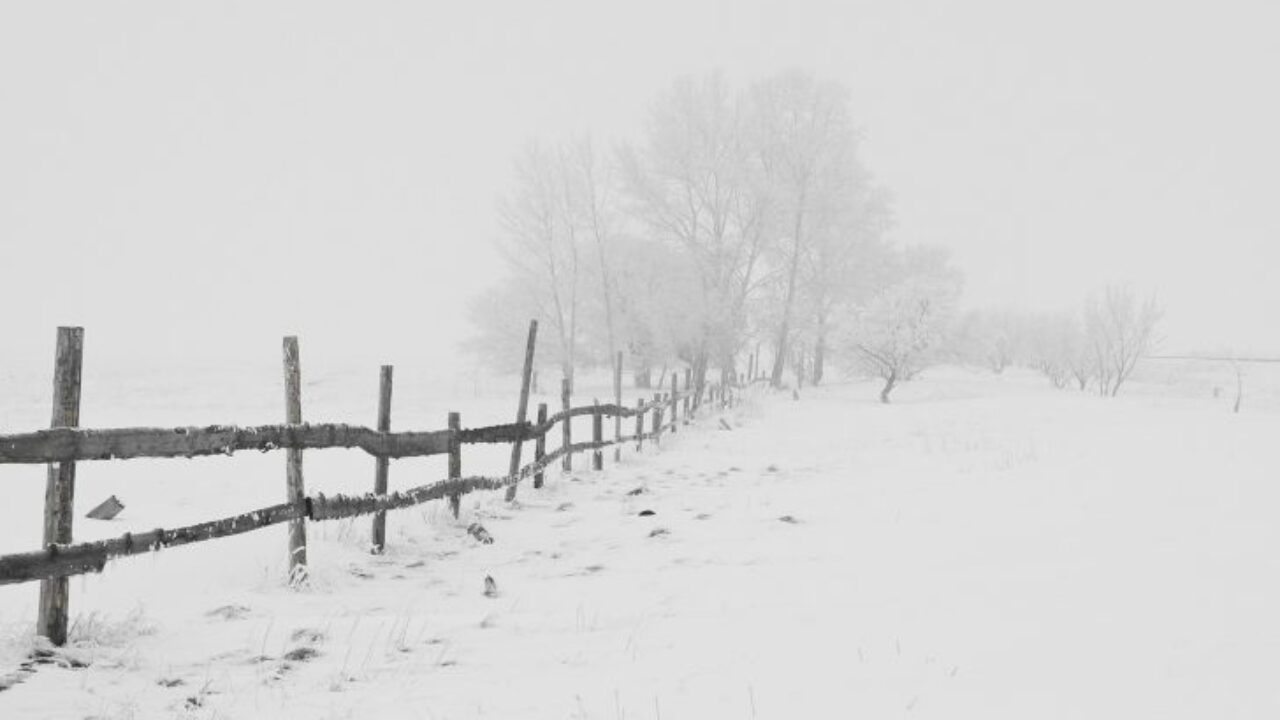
197	179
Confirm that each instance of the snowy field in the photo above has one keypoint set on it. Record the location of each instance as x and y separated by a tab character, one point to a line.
987	547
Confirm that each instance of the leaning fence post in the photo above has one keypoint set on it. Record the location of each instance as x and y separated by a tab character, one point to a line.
566	427
597	436
639	424
455	461
522	412
60	487
540	444
382	465
617	400
295	492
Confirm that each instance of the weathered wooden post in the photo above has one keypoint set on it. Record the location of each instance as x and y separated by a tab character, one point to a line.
382	465
540	445
688	396
675	401
60	486
522	412
617	400
455	461
639	424
597	436
296	493
566	427
657	418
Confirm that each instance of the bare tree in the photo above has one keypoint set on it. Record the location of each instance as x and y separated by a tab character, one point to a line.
542	244
1120	331
590	204
807	147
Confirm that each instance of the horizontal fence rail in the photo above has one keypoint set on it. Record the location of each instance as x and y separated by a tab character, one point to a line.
75	444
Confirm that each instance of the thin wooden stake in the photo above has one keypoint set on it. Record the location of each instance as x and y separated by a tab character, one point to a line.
540	445
522	412
566	427
688	397
639	424
675	402
455	461
295	491
617	400
597	436
657	419
382	466
60	487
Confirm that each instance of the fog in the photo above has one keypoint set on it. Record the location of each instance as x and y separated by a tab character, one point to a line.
194	181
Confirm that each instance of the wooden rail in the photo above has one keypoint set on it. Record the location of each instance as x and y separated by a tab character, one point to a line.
75	444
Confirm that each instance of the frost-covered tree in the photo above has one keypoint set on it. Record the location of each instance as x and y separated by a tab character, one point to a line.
901	330
739	217
542	246
843	265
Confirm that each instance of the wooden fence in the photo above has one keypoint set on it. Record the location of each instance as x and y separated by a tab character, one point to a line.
65	444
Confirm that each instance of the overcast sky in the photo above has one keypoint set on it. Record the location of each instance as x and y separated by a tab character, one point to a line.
190	178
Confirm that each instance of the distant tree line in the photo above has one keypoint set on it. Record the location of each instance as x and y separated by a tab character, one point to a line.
742	220
1096	348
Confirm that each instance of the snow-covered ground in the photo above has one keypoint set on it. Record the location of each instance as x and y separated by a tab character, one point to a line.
987	547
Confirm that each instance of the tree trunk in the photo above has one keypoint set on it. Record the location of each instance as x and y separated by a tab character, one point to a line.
566	371
643	378
785	330
889	384
819	358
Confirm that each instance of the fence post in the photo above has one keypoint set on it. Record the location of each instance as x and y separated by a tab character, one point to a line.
657	418
597	436
540	444
696	401
382	465
522	412
688	397
566	427
639	424
675	401
455	461
295	492
60	487
617	400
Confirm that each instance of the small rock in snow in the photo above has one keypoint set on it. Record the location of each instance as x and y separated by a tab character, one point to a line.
478	532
